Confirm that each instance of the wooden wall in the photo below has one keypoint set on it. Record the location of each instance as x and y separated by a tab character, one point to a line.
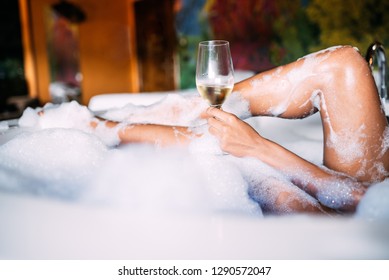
156	44
107	44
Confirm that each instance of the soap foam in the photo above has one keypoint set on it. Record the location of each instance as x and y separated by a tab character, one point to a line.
51	162
64	157
374	205
61	156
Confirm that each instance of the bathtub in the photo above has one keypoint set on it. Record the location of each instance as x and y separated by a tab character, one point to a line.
43	227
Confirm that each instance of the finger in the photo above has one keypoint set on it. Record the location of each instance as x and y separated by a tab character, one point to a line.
215	112
220	114
204	115
214	131
215	123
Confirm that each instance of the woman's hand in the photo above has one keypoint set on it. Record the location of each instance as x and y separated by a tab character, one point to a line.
235	136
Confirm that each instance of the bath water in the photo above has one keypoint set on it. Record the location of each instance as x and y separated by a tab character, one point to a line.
58	155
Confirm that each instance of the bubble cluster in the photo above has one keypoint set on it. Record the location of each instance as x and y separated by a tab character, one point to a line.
374	205
59	154
51	162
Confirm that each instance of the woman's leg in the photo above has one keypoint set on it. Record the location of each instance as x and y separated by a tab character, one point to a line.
338	82
277	196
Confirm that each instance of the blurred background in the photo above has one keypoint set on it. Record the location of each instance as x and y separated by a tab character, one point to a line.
61	50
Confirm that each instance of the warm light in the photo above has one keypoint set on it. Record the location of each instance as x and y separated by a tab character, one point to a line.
29	70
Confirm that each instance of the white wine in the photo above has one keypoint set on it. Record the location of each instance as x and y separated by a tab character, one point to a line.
214	94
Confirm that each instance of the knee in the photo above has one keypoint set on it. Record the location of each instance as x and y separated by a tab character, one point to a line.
348	52
345	69
348	57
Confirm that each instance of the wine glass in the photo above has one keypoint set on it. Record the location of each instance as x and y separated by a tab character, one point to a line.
214	71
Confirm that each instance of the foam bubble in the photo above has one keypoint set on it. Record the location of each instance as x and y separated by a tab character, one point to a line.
174	109
315	99
264	78
77	164
53	162
385	142
375	203
29	118
205	144
350	148
69	115
321	55
109	135
66	115
66	161
146	179
337	194
237	105
267	185
226	183
264	183
3	125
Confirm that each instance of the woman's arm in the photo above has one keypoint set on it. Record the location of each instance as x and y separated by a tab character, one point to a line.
237	138
161	135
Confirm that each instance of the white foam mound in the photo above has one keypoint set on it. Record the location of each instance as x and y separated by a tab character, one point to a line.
61	155
375	203
145	179
53	161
